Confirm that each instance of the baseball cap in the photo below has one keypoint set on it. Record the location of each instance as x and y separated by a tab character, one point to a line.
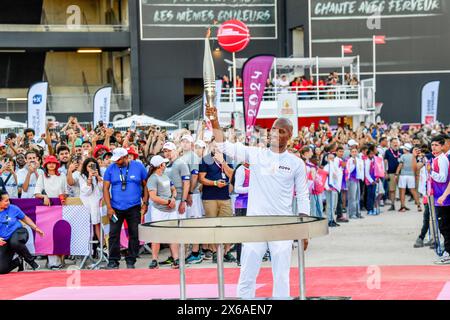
2	145
352	143
157	161
170	146
406	146
200	143
119	153
322	122
188	138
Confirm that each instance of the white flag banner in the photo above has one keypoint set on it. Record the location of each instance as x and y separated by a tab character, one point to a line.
102	105
37	107
430	98
287	108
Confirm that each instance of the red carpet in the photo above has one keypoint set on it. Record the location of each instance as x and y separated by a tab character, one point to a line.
395	282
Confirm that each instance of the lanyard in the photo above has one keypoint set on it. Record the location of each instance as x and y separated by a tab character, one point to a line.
122	178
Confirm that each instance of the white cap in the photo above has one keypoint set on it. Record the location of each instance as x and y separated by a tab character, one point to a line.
170	146
407	146
352	143
200	143
119	153
157	161
188	138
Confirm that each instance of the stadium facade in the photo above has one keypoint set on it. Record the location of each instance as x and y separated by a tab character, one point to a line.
151	51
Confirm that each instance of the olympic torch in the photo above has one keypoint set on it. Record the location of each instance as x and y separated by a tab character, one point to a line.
209	75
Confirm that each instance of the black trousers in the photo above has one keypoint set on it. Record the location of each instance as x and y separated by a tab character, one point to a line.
239	213
339	206
133	218
15	244
443	216
426	222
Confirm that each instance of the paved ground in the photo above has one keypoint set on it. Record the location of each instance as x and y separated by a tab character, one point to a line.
386	239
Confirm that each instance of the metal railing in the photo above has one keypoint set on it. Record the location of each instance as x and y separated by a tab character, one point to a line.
67	104
303	93
62	28
192	110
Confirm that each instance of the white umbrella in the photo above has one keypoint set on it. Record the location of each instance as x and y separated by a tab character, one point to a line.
141	121
9	124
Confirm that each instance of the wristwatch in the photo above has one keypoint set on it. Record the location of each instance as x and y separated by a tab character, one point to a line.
215	183
183	200
145	203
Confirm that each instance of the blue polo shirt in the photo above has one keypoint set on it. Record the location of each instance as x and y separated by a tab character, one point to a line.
213	173
131	196
9	221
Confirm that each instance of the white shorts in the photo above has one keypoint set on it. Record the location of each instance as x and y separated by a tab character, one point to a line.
196	211
159	215
406	182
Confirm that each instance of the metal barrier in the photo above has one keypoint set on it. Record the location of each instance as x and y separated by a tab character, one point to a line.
304	93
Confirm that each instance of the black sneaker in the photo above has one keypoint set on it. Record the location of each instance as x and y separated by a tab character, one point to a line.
130	265
214	258
20	262
112	265
175	264
154	265
207	254
169	260
34	265
229	257
392	208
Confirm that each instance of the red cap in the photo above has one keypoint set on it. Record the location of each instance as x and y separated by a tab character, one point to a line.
98	148
133	152
51	159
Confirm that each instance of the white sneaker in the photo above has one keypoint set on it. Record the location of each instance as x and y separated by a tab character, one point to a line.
444	260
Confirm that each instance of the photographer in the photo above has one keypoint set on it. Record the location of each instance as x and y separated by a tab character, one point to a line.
91	191
8	177
215	173
51	184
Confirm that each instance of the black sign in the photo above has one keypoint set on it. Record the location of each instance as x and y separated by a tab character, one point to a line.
416	31
189	19
341	8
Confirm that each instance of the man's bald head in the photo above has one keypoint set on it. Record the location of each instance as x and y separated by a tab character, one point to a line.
280	134
285	124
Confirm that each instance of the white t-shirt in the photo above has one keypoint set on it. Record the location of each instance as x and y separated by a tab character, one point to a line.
10	185
21	176
74	191
274	178
53	185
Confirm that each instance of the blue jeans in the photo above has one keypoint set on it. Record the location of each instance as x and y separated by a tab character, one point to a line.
316	205
353	197
371	190
332	199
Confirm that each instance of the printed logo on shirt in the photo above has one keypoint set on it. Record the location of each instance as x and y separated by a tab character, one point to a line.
285	169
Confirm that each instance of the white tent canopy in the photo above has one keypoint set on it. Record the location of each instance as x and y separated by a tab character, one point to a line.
141	121
291	63
9	124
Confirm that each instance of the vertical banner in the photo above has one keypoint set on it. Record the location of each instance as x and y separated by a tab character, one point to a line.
430	98
255	73
287	108
102	105
37	107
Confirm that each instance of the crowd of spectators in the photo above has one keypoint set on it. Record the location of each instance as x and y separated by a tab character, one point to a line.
352	174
